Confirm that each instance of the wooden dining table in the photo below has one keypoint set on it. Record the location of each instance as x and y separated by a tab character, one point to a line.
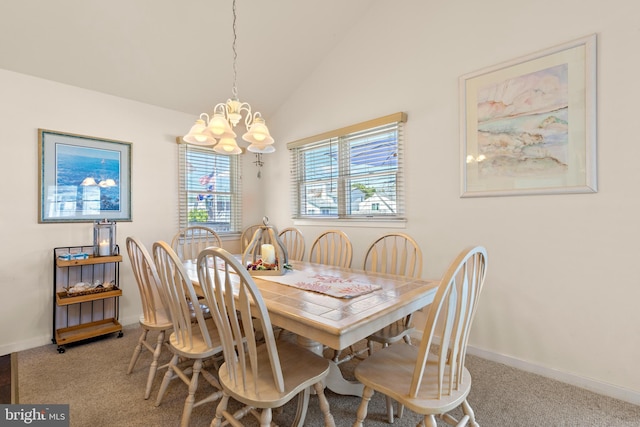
320	320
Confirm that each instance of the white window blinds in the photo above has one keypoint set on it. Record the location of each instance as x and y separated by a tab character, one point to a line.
209	189
351	173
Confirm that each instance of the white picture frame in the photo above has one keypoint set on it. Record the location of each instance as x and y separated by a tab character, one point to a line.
528	126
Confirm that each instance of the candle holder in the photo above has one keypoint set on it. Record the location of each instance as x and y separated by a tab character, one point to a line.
104	238
266	254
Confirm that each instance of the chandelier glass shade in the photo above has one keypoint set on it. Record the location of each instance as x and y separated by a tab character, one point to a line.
216	130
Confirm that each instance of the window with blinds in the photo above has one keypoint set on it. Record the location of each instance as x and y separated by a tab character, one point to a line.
350	173
209	189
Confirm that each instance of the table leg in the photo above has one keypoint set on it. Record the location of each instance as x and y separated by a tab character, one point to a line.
338	384
335	381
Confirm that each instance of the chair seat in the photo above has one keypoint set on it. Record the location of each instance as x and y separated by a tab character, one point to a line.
163	322
300	369
390	370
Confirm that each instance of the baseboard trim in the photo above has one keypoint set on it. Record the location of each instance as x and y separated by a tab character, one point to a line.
595	386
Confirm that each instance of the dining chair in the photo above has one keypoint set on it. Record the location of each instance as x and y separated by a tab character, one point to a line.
155	313
332	247
194	339
188	242
398	254
431	379
293	240
264	373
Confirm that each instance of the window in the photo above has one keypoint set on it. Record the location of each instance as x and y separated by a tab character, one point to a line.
209	189
350	173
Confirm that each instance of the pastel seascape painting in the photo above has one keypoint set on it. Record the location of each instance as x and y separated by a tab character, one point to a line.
523	125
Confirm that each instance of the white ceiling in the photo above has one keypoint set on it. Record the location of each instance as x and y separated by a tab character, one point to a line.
175	53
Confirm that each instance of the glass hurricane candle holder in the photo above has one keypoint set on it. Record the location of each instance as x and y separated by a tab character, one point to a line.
104	238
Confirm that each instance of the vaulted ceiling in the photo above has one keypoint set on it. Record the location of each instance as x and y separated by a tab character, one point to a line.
175	54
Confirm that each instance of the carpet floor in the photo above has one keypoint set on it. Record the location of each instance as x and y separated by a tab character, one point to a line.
91	377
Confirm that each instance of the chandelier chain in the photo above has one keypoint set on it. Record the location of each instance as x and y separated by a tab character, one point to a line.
235	55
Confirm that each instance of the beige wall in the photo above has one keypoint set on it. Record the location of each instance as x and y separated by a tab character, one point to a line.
561	292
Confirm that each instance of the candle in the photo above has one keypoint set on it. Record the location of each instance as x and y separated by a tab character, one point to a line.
268	254
104	249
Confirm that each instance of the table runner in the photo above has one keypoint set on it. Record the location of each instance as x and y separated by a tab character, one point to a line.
324	283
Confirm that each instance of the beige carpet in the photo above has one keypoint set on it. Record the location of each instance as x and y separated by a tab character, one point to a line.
92	378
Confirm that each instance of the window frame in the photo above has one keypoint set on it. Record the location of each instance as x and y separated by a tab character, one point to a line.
343	139
234	194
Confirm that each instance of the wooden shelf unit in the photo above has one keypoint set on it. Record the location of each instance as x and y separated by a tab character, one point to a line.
87	315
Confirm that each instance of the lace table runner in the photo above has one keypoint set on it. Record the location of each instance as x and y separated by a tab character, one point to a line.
324	283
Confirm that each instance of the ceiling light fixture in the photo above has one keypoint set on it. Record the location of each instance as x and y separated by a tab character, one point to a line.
217	130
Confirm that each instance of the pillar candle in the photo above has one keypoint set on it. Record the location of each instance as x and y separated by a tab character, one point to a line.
268	254
104	249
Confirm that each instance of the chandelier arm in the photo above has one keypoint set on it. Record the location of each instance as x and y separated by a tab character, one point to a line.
251	118
222	109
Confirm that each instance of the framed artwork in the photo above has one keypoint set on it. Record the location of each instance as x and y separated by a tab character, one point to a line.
82	178
528	126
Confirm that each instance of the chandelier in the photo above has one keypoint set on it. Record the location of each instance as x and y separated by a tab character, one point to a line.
217	130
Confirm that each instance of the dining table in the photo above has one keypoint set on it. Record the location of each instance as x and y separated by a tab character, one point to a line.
335	307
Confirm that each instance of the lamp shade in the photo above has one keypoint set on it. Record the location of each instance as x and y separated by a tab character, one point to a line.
198	134
219	127
261	148
227	146
258	133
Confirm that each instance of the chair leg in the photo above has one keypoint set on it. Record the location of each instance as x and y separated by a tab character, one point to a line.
168	376
265	417
468	410
400	410
302	407
370	347
191	397
154	364
389	409
430	421
222	407
364	404
324	405
137	350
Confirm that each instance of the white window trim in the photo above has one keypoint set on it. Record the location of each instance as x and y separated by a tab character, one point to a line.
236	221
346	222
378	221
